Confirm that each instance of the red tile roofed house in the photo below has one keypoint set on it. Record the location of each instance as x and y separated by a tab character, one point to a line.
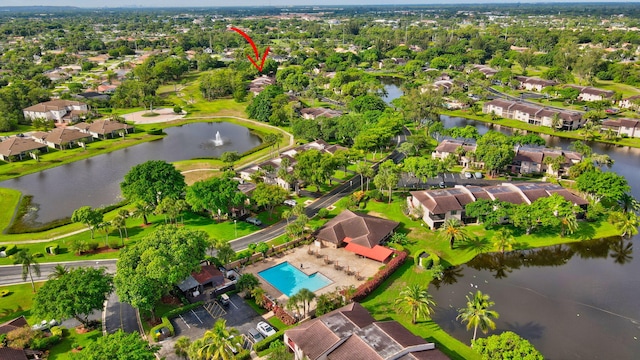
628	127
64	111
439	205
362	233
351	333
102	129
62	138
17	148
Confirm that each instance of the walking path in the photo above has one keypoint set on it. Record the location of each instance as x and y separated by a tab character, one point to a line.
44	240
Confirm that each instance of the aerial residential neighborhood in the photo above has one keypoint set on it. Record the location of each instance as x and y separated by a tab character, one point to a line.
329	181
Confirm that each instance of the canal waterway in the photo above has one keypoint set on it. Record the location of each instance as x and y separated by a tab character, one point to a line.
576	301
96	181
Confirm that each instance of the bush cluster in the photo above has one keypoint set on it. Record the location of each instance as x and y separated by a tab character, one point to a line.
264	344
283	315
43	343
370	285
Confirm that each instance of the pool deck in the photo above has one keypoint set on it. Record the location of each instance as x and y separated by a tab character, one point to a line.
365	268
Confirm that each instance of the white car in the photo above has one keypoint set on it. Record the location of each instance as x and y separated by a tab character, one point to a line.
290	202
468	175
265	329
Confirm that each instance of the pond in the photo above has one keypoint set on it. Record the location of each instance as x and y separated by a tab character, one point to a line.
571	301
96	180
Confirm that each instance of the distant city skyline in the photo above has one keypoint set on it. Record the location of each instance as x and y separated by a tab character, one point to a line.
219	3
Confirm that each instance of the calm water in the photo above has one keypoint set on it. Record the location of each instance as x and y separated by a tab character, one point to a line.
576	301
96	181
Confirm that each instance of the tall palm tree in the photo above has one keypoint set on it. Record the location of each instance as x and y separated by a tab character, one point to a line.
452	231
306	296
119	223
286	214
181	347
216	343
294	303
365	170
29	264
477	314
418	300
59	271
504	240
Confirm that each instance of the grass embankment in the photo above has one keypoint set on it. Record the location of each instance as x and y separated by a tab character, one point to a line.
55	158
510	123
18	302
9	201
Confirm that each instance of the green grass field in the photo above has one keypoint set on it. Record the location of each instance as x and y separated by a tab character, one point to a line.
18	302
9	200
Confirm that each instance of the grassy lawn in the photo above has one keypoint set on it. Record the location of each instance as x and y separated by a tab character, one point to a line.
624	89
9	200
18	302
60	157
62	350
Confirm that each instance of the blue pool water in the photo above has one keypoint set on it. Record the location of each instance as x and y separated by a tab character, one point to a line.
289	280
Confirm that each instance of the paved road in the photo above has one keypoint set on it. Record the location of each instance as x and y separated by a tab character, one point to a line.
119	315
324	201
12	274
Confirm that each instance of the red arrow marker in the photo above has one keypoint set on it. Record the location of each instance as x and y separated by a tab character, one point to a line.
255	50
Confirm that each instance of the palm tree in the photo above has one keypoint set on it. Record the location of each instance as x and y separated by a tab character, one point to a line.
504	240
365	170
294	303
59	271
143	210
181	347
477	314
217	343
627	222
258	295
629	203
556	121
119	222
568	223
29	263
306	296
418	300
452	231
286	214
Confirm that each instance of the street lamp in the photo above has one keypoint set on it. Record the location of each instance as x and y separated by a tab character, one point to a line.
235	227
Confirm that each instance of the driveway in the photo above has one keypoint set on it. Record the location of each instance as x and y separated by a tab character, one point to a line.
119	315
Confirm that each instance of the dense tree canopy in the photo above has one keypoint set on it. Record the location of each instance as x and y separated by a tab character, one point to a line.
215	194
151	267
507	345
75	294
152	181
118	346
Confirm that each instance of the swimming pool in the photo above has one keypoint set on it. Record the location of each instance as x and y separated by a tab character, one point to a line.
289	280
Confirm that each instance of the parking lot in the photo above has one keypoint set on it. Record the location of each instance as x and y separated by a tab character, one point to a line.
194	323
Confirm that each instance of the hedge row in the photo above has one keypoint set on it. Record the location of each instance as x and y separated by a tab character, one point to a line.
154	332
264	344
370	285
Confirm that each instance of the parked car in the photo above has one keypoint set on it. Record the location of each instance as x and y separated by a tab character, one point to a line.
442	185
290	202
224	300
254	221
478	175
468	175
265	329
255	335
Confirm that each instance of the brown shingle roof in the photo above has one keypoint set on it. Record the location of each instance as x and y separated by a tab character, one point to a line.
103	127
354	349
16	145
628	123
207	274
53	105
60	136
14	324
314	337
7	353
363	229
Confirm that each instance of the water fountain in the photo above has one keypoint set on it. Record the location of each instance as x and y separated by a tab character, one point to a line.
218	140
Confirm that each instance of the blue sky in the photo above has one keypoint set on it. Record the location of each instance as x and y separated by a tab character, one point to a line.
175	3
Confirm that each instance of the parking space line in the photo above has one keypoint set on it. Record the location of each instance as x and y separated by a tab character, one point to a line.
185	322
194	313
234	305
